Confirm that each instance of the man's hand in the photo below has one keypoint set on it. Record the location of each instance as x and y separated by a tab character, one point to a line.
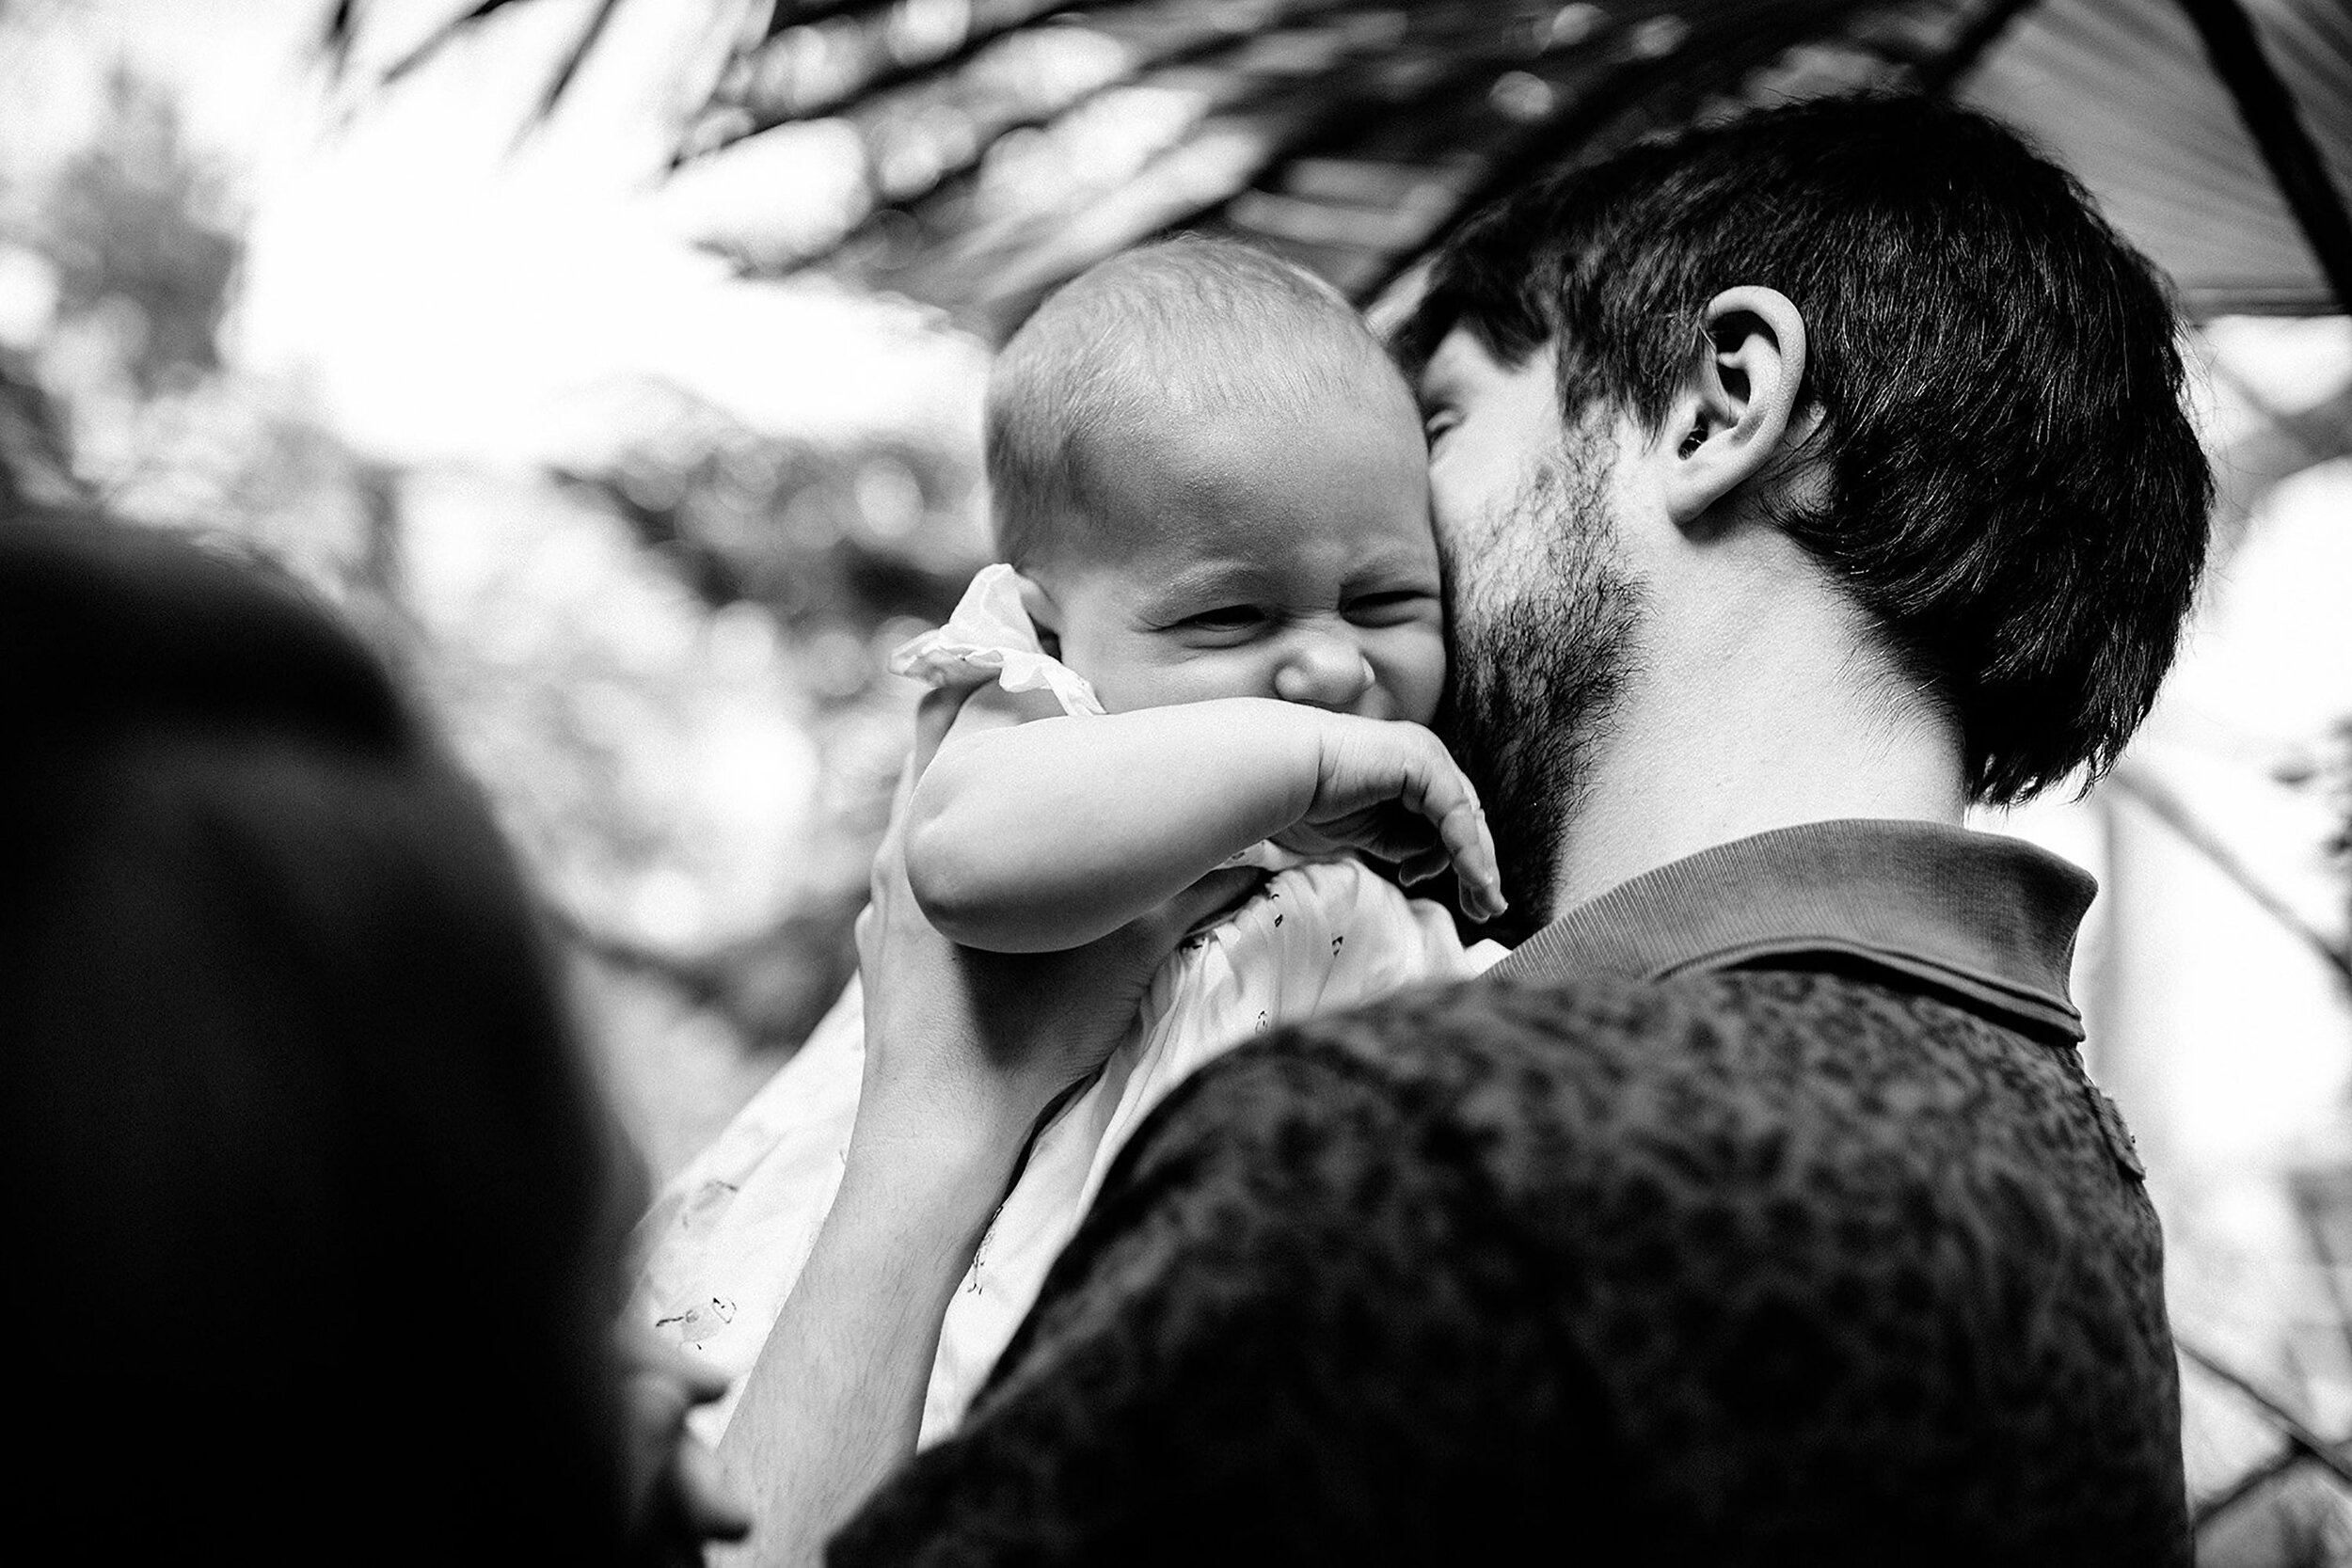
963	1051
678	1498
964	1042
1392	789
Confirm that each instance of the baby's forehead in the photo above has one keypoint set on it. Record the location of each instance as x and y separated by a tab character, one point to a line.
1340	476
1241	438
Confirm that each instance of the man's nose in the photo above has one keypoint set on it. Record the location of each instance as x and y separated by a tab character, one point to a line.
1323	671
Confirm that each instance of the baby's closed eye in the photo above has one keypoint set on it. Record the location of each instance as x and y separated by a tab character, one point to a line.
1226	618
1390	606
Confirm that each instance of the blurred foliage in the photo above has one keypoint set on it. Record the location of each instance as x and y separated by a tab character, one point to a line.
837	553
137	230
2329	774
2339	790
34	463
136	243
2296	1518
2339	772
973	154
662	662
830	540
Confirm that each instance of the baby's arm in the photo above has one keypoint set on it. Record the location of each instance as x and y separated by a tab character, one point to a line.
1042	836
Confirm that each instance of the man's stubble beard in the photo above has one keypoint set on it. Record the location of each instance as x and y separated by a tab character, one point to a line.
1540	662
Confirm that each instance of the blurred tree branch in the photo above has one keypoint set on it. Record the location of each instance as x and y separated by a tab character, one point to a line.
2289	1425
2142	786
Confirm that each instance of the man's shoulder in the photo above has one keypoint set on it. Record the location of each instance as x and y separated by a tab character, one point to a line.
1601	1108
1606	1046
1806	1030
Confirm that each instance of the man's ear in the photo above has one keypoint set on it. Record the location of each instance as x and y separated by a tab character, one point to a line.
1044	614
1738	411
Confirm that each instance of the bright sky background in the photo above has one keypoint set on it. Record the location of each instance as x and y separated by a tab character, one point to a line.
446	293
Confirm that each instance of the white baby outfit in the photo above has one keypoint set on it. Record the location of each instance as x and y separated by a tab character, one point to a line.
724	1242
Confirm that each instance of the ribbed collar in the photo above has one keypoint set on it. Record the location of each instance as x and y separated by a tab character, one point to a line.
1989	919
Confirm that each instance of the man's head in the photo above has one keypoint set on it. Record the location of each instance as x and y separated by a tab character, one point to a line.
1982	441
1210	477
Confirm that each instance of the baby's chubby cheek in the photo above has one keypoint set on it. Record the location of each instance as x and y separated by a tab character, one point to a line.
1412	681
1127	681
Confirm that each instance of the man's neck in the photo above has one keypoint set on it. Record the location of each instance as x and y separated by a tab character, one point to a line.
1760	715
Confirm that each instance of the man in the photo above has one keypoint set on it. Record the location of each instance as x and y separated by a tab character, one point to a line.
1801	481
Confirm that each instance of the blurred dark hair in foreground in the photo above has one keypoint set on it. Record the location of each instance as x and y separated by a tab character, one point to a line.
311	1189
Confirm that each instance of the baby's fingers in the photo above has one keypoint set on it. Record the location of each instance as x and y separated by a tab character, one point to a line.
1463	828
1449	801
1368	764
1423	865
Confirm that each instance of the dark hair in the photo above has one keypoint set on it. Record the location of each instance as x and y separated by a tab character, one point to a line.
1189	325
311	1196
2016	498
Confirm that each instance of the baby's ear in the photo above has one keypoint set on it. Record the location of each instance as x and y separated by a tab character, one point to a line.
1044	614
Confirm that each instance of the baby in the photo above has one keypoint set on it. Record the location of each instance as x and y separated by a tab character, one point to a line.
1221	592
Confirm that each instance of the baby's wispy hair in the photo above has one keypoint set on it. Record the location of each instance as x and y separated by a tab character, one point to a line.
1186	329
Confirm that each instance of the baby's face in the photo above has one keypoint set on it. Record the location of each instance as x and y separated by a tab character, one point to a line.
1289	559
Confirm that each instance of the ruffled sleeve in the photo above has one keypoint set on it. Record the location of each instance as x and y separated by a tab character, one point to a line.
989	640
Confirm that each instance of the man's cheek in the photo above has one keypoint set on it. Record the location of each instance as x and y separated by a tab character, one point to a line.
1480	579
1458	549
1470	520
1448	500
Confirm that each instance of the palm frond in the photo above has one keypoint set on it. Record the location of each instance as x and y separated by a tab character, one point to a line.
1001	145
574	56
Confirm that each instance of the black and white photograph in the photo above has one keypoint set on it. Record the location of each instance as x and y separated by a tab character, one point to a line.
1177	782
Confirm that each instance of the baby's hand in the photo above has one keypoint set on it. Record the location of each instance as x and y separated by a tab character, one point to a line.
1391	788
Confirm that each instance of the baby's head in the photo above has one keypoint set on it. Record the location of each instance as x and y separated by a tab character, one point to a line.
1212	481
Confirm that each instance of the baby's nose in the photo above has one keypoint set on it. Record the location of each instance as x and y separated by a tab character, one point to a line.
1324	671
